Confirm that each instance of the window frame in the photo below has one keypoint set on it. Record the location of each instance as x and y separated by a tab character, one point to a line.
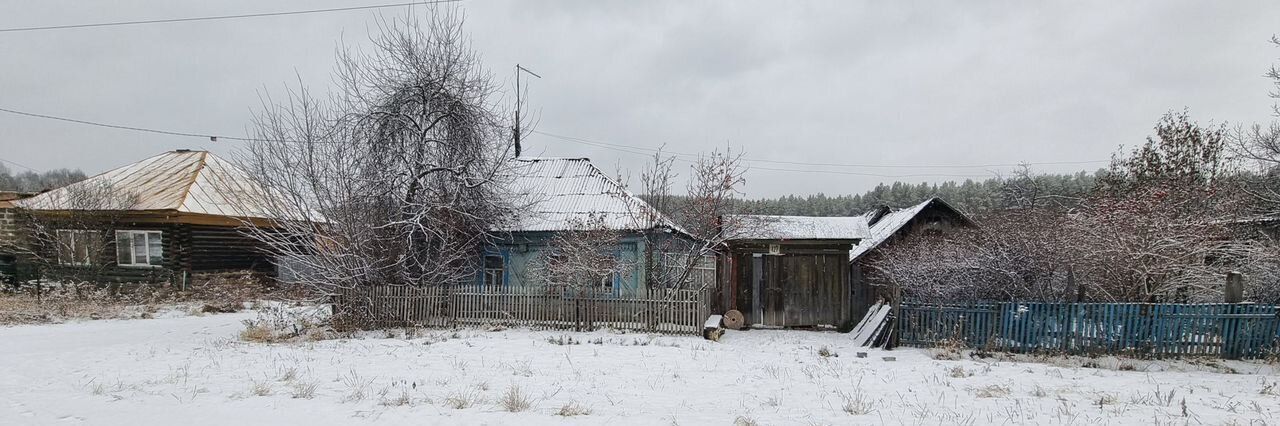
489	273
131	246
73	247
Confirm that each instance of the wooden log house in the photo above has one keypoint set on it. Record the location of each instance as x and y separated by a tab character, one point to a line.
160	219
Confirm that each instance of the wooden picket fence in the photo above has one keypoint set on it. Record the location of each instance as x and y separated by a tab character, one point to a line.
1139	329
669	311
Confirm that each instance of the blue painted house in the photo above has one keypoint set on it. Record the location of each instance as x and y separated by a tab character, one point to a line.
567	197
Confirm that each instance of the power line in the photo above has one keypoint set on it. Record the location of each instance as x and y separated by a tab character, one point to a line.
222	17
648	152
18	164
759	160
122	127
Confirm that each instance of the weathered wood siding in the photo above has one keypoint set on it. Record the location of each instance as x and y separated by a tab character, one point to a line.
806	285
206	248
185	248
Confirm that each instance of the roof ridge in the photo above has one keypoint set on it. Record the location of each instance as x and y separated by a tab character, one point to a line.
195	175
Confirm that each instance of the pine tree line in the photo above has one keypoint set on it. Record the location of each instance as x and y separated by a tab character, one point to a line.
973	197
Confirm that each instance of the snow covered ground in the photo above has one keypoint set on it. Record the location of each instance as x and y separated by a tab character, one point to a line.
194	371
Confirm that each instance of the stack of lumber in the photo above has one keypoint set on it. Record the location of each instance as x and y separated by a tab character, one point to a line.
873	325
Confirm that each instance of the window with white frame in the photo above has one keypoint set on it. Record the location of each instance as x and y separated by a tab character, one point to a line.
139	248
75	246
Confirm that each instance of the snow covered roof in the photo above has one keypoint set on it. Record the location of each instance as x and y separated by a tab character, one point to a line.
182	181
890	223
765	227
560	194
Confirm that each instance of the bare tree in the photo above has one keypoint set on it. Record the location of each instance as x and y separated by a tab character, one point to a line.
714	184
69	231
1159	224
1021	254
1259	145
585	258
396	178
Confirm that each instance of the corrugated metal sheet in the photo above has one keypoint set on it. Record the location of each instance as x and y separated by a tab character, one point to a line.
765	227
556	194
182	181
552	194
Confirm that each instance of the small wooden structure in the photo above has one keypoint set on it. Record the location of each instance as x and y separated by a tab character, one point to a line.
887	226
159	219
789	271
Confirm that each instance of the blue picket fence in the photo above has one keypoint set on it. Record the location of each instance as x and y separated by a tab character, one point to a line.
1138	329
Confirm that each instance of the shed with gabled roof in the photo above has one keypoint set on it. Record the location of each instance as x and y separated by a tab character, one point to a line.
789	271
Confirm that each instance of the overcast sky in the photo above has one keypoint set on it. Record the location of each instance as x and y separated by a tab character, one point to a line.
886	83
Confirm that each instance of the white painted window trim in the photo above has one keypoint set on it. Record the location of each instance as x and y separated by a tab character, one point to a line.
134	233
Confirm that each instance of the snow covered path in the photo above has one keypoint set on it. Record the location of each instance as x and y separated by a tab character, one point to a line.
193	371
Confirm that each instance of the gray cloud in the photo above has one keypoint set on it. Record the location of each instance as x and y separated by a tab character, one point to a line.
844	82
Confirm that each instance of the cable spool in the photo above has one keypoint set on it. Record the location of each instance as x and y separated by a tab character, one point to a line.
733	320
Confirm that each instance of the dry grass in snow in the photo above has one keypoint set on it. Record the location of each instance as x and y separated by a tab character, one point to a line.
198	371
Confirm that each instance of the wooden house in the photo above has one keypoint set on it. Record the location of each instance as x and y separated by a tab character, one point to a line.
159	219
888	225
9	249
568	197
797	271
789	271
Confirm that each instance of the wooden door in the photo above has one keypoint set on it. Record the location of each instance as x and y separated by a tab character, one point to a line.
800	290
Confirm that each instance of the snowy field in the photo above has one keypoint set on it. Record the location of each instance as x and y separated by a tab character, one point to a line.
195	371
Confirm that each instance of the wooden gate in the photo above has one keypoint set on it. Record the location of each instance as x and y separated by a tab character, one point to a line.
800	290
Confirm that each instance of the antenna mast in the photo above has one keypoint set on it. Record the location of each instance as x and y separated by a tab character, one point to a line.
516	130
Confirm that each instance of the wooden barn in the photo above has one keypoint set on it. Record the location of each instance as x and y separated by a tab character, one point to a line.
159	219
888	225
789	271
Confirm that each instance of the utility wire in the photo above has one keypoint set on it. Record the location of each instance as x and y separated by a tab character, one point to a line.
18	164
221	17
647	152
117	126
885	166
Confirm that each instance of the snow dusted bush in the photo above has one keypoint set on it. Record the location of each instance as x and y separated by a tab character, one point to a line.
279	322
1166	223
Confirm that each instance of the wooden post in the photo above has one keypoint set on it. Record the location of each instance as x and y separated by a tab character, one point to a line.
1073	286
1234	292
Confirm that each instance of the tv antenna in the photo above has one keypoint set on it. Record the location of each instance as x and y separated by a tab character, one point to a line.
520	70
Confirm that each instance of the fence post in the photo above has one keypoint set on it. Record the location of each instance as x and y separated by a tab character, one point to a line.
1234	292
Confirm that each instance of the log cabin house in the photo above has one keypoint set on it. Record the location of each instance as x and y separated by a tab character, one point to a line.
9	235
159	219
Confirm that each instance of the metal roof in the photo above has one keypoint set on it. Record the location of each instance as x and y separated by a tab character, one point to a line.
765	227
183	181
889	224
558	194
